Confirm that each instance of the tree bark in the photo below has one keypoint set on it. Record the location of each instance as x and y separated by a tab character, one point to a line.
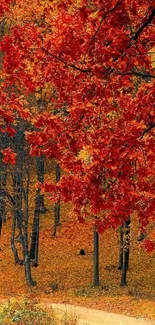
35	230
27	263
40	161
57	204
126	250
39	208
3	178
13	246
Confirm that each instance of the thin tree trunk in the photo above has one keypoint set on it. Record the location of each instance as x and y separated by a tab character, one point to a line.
22	222
40	161
57	204
28	276
3	178
126	249
18	180
13	246
96	259
39	208
35	231
2	206
27	262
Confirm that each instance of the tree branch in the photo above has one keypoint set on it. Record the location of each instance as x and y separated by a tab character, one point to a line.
9	197
146	23
64	62
147	130
136	73
101	22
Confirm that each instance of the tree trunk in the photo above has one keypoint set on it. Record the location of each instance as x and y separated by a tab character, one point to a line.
126	250
3	178
27	262
96	259
39	208
2	204
13	246
35	230
57	204
21	219
28	276
40	174
18	184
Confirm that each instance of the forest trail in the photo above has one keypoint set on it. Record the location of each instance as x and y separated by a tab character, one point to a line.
87	316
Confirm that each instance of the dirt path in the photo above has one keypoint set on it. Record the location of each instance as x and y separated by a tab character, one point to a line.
87	316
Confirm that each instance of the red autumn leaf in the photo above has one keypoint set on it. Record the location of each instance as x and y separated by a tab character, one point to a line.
149	245
10	131
9	157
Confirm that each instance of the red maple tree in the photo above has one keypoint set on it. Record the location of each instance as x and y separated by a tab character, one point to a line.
99	122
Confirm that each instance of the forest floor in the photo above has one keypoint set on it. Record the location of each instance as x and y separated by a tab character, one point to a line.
60	263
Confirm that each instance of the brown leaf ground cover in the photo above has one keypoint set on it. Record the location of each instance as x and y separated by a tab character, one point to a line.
60	263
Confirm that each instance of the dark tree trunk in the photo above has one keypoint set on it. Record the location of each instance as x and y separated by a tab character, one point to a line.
3	178
13	246
35	230
40	174
27	262
39	208
18	181
57	204
22	222
28	276
126	250
96	259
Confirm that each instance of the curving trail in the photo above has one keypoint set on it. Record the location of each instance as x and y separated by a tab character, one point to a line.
87	316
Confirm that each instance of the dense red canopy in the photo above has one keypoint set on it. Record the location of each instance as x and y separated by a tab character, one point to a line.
91	65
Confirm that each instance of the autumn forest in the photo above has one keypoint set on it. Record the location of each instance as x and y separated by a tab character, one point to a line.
77	160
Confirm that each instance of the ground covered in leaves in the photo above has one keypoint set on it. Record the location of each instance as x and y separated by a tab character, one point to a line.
61	267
